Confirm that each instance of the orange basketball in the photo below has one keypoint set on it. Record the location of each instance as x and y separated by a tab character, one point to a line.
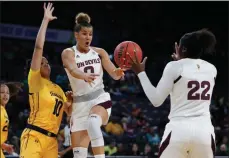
121	56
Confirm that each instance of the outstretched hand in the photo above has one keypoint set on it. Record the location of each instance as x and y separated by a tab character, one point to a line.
136	66
48	12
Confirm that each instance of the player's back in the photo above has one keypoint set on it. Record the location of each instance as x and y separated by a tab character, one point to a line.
46	102
192	91
89	63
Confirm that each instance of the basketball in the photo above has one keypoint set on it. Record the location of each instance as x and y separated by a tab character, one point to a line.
121	56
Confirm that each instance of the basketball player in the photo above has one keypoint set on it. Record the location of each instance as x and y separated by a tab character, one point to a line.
47	102
190	82
91	104
5	94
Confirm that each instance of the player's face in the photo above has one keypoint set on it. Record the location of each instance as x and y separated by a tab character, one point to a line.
5	94
45	68
84	37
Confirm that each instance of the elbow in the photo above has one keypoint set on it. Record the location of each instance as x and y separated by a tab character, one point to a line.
156	103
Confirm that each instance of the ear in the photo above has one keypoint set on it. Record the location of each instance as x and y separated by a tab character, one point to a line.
76	34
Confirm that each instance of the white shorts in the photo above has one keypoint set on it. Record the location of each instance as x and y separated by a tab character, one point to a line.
188	138
80	111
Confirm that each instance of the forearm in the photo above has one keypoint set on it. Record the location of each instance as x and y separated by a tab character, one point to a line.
114	75
150	90
110	68
77	73
38	50
41	34
68	149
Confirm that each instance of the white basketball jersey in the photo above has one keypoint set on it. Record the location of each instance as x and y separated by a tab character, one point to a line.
89	63
191	94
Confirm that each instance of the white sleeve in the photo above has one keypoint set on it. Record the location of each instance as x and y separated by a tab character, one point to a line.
157	95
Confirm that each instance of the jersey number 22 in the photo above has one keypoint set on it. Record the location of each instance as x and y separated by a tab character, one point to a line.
195	86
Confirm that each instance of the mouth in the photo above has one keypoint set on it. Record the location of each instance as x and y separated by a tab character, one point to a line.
87	44
5	99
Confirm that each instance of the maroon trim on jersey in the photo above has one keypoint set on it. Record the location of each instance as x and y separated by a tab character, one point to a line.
213	145
164	145
106	105
176	80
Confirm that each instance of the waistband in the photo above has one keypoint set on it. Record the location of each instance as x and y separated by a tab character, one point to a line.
41	130
88	97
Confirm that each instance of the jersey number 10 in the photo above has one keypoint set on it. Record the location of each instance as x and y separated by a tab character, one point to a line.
195	86
57	107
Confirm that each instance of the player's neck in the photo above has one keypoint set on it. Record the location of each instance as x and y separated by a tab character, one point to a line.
81	50
3	105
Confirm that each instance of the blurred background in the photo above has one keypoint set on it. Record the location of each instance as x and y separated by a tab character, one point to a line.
135	127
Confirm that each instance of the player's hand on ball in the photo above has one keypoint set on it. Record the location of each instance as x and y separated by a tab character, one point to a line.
136	66
48	12
119	72
176	55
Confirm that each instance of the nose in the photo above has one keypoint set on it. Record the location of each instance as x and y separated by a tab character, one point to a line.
88	37
5	95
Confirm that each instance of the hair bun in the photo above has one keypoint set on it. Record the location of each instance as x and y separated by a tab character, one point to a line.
82	18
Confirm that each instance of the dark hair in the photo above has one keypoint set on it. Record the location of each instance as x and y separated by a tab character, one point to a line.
196	43
14	87
82	20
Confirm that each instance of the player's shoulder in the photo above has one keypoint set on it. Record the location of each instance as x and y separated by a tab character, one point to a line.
59	88
69	50
209	65
100	51
174	65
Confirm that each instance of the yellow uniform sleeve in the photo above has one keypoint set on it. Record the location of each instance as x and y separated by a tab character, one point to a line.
34	81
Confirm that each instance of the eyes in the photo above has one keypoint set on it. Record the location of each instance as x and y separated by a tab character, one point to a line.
4	92
43	63
85	34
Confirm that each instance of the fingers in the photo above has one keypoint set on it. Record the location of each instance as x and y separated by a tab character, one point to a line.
176	47
144	61
54	17
91	83
119	72
135	55
133	61
49	6
52	9
44	6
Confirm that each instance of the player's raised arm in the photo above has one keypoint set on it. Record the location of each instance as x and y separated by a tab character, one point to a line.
34	77
38	50
68	60
115	73
156	95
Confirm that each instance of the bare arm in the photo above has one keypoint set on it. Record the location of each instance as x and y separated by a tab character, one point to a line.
69	63
108	65
68	60
38	50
